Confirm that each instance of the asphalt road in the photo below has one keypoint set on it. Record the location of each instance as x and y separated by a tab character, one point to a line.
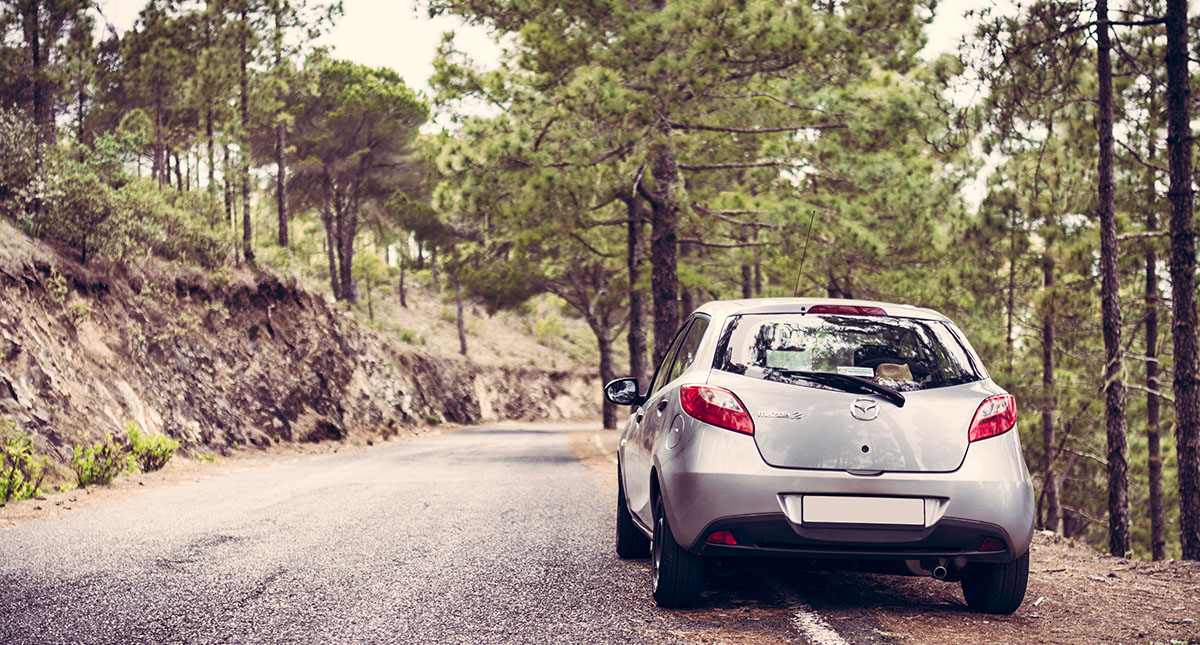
487	535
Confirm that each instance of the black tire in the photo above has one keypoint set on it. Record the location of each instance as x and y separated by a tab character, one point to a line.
677	573
631	542
996	588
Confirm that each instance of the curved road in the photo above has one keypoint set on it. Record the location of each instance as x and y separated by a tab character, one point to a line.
487	535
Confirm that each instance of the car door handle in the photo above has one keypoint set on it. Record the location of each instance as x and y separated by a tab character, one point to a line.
640	413
662	405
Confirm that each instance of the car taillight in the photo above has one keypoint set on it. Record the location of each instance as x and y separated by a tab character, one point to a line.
996	415
846	310
722	537
716	406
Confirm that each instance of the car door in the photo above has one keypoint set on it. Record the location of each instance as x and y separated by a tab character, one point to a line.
635	446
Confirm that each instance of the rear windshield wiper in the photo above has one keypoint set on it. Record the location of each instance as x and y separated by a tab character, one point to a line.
848	383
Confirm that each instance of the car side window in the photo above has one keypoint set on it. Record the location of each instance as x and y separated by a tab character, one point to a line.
664	370
687	349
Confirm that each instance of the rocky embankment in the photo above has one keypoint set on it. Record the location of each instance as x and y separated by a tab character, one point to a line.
226	359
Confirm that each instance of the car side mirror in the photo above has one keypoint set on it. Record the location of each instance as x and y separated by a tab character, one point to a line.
623	391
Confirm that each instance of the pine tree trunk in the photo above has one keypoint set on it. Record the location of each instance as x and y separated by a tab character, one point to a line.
636	258
462	328
159	171
330	243
1183	279
228	189
244	175
346	229
1050	493
1012	289
212	163
1158	540
280	135
664	279
1110	305
604	344
400	286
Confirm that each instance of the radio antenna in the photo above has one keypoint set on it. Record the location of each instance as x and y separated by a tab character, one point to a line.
804	255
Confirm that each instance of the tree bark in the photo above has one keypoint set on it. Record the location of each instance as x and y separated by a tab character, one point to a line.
1110	305
280	132
400	286
636	258
247	237
1183	279
330	242
347	228
228	189
462	328
664	279
604	344
1012	287
1158	540
1050	493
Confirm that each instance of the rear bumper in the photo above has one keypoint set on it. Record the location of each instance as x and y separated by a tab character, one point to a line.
716	480
774	535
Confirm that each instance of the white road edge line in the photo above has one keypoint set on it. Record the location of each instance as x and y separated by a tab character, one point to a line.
811	625
600	445
807	622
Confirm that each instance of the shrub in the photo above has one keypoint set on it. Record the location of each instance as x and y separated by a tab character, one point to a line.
21	471
102	462
174	226
82	212
151	451
19	184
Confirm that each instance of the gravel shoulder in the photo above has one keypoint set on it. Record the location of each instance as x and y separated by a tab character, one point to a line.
187	469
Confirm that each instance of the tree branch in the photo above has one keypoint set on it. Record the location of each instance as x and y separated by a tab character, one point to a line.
720	245
768	130
766	163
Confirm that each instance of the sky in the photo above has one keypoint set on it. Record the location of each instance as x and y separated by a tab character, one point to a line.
396	34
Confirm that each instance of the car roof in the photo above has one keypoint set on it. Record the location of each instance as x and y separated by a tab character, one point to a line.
724	308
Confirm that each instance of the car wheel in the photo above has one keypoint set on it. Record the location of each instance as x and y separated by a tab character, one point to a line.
996	588
677	573
631	542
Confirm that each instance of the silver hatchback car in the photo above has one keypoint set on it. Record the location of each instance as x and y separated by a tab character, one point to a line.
824	429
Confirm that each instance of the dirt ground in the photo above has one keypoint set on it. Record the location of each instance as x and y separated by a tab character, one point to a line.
1075	594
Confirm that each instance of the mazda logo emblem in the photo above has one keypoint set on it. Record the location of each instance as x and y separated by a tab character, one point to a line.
864	409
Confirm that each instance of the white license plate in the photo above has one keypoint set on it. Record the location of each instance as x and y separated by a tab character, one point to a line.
903	511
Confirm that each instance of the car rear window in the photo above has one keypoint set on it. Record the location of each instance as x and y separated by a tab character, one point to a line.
906	354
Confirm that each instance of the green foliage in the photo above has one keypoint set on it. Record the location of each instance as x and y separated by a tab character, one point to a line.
82	212
549	330
100	463
78	312
56	286
352	148
172	225
21	469
20	184
151	451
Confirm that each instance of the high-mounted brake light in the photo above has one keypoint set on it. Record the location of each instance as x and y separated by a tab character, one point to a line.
716	406
995	416
847	310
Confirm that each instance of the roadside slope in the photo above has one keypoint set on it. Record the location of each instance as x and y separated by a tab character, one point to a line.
226	359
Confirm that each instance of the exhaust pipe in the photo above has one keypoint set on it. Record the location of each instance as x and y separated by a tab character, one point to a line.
940	572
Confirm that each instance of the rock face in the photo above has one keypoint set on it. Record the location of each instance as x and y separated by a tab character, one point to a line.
242	358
